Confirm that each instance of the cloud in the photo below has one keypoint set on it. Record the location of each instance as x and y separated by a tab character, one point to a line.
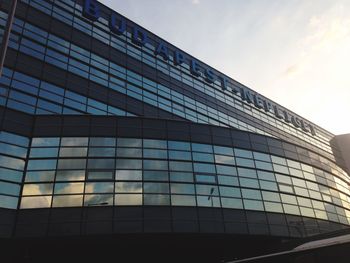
196	2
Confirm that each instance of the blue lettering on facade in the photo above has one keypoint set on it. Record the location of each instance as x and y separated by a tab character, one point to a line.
118	25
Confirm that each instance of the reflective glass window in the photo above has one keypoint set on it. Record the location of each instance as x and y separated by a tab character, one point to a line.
73	152
228	170
69	188
180	166
35	202
37	189
101	164
251	194
70	175
128	187
203	157
197	147
155	176
181	177
224	159
10	175
102	141
128	199
129	164
253	205
223	150
182	188
99	187
43	152
74	141
129	142
71	163
99	175
67	200
228	180
174	145
147	143
246	172
156	199
204	168
156	187
243	153
98	199
129	152
155	165
183	200
129	175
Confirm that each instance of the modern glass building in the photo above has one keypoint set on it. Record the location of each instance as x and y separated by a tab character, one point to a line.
112	140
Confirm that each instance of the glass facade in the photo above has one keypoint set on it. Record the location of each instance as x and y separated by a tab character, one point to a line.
101	79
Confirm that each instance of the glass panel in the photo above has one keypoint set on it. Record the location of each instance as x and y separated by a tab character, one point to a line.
99	187
36	201
69	188
180	166
37	189
155	165
273	207
43	152
223	150
8	202
73	152
41	164
126	187
74	175
174	145
100	175
245	182
155	176
183	200
67	200
128	199
98	200
197	147
223	159
231	203
251	194
243	153
9	188
74	141
181	177
152	199
102	141
204	168
228	180
209	201
129	152
129	164
158	154
71	163
101	164
147	143
156	187
129	175
128	142
182	188
11	175
253	205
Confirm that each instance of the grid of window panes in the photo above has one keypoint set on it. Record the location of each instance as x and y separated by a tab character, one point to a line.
13	152
28	94
65	10
79	61
82	171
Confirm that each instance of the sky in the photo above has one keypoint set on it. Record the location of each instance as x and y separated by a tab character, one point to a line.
294	52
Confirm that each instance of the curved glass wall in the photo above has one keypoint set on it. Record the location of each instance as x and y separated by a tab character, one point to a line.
70	13
98	171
